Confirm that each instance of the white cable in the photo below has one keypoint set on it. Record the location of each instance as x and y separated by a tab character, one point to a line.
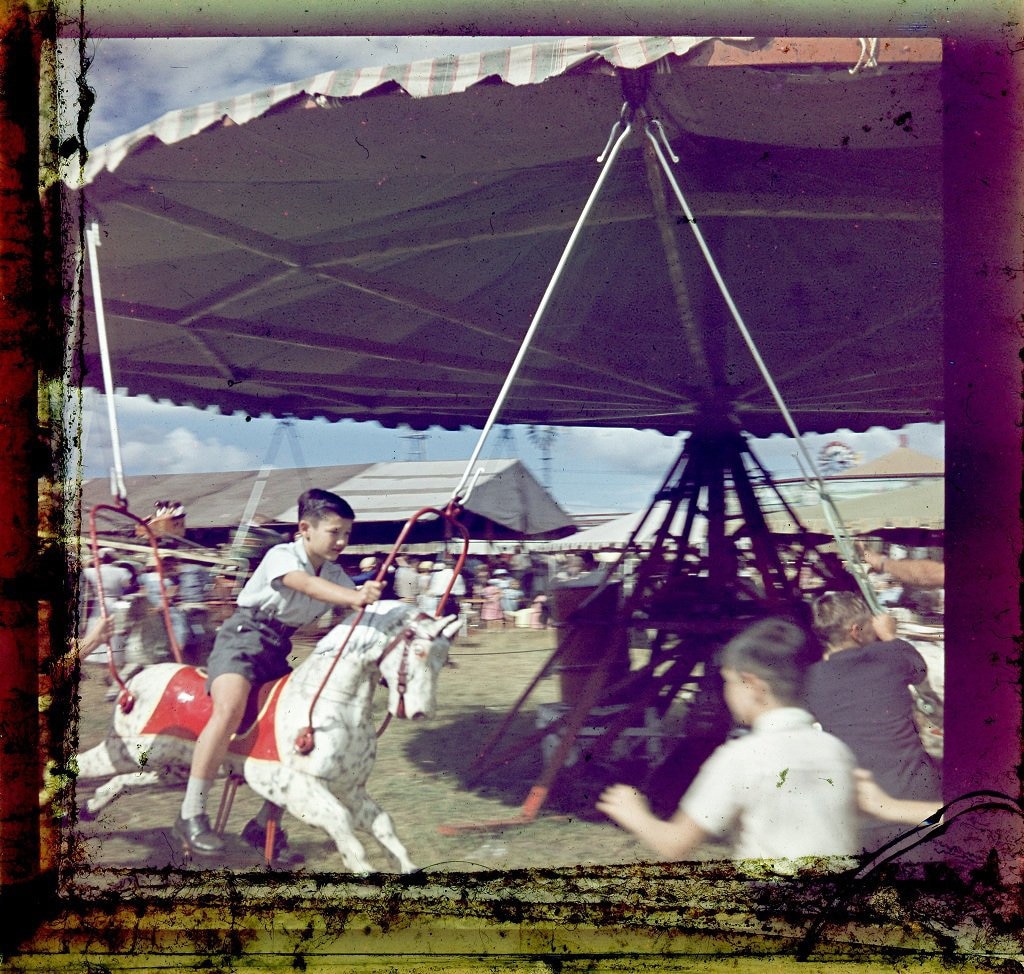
457	494
92	239
831	512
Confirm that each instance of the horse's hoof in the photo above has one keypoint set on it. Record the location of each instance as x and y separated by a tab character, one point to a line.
196	836
256	835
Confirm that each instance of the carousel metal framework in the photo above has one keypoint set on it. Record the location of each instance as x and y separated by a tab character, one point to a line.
687	606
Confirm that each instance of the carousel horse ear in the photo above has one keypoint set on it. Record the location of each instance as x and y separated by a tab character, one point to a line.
450	626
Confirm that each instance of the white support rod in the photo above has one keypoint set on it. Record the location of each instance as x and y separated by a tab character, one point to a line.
828	506
255	496
117	486
737	317
284	427
609	161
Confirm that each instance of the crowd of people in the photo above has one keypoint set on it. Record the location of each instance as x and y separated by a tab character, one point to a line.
492	592
830	757
132	607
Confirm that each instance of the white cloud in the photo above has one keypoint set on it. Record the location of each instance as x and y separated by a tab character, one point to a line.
182	451
590	469
636	451
604	469
157	437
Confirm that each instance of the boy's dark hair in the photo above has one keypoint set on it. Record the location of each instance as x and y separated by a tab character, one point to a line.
776	650
315	504
835	612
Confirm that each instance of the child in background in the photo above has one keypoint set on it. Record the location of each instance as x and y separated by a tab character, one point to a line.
116	582
491	614
787	785
510	599
539	612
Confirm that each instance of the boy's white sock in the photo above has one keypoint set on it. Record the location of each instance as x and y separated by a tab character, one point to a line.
196	792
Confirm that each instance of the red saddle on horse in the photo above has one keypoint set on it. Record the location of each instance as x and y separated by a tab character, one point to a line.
185	707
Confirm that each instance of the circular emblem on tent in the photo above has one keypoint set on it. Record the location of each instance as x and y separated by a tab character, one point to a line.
836	456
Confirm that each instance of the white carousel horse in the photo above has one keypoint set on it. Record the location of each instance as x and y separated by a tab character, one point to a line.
327	787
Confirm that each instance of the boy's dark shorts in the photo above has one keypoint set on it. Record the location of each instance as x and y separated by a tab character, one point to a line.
250	647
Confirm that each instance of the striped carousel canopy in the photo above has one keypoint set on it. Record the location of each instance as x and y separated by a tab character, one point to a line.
374	244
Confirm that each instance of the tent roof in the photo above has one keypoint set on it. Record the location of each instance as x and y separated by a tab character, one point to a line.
506	495
616	532
904	461
374	245
215	499
920	505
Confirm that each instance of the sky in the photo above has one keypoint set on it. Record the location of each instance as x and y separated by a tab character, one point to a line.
588	471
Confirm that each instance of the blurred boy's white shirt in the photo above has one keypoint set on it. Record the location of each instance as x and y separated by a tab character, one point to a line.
787	787
439	579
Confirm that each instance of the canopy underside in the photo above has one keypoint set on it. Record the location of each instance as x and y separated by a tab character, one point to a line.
380	257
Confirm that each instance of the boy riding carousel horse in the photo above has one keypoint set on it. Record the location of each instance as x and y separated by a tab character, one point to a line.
294	584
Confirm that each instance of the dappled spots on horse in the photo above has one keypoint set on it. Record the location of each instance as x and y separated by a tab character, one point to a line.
326	786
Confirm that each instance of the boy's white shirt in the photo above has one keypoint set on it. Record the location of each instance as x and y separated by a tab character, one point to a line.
266	592
787	785
439	582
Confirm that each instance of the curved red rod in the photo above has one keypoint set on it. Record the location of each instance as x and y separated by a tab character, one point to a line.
304	743
125	698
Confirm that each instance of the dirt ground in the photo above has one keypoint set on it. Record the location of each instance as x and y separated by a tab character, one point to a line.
420	779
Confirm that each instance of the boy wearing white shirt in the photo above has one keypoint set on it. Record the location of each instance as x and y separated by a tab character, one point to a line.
787	785
293	585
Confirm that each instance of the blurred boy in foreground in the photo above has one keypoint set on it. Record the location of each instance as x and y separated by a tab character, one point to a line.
787	785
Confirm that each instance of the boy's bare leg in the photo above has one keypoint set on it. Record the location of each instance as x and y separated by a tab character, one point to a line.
230	692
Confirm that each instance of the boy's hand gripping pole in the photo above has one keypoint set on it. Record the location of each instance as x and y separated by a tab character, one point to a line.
305	741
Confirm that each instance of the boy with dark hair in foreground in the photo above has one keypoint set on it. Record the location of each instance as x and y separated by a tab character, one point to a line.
787	785
293	585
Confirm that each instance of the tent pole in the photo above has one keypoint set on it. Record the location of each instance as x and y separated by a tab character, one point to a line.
842	537
284	426
117	486
766	555
670	245
255	495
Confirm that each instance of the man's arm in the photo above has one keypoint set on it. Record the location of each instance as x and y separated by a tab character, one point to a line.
884	626
873	801
912	571
917	571
673	839
98	634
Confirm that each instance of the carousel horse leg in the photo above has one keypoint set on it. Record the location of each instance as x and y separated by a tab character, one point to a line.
124	768
113	788
370	817
310	801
